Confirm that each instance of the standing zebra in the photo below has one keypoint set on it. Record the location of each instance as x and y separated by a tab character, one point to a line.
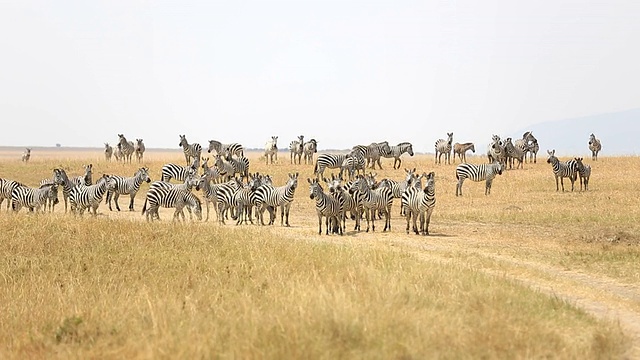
108	151
88	197
296	148
190	150
595	146
353	162
244	198
396	151
179	172
282	196
26	155
140	148
461	151
349	203
127	148
117	153
308	149
496	151
119	185
443	147
562	170
215	174
271	149
220	148
164	194
240	165
477	173
398	187
6	188
225	168
33	198
60	178
327	206
420	202
330	161
584	171
529	144
380	199
514	152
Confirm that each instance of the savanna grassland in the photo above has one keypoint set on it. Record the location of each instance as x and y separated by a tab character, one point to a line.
526	272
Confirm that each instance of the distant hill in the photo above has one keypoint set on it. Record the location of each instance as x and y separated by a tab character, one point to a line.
619	133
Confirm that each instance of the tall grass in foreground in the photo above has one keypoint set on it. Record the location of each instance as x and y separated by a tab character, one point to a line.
84	288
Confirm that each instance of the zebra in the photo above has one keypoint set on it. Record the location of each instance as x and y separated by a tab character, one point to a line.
395	151
584	172
164	194
226	168
496	151
353	162
26	155
443	147
60	178
191	151
87	178
127	148
296	148
108	151
33	198
529	144
308	149
117	153
461	151
380	199
349	203
478	173
595	146
275	197
88	197
6	188
514	152
179	172
373	152
399	187
215	174
240	165
244	198
533	149
420	202
220	148
224	197
209	191
119	185
140	148
562	170
328	161
271	149
327	206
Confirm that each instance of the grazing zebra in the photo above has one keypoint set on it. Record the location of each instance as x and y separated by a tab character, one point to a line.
164	194
380	199
139	149
88	197
308	149
562	170
461	151
349	203
6	188
396	151
420	202
328	161
282	196
477	173
33	198
296	148
584	172
191	151
514	152
443	147
127	148
179	172
220	148
398	187
108	151
271	149
327	206
595	146
119	185
26	155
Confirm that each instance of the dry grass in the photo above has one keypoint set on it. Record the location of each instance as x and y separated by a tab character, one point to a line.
116	286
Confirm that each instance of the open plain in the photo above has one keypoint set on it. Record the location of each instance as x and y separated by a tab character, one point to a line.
526	272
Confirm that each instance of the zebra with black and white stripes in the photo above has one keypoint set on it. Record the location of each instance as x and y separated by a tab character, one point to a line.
6	188
282	197
562	170
373	152
84	198
224	198
395	151
477	172
514	152
140	149
26	155
350	203
308	149
243	199
595	146
584	172
33	198
271	149
119	185
240	165
496	151
328	161
420	203
214	173
398	187
164	194
108	151
225	168
178	172
221	149
296	149
60	178
443	147
373	200
327	206
127	148
191	151
354	162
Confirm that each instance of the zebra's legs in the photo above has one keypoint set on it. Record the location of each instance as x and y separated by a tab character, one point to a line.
487	189
459	186
132	196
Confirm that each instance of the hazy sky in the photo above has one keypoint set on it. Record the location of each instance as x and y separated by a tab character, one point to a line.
344	72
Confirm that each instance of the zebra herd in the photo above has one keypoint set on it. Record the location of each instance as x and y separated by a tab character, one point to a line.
125	150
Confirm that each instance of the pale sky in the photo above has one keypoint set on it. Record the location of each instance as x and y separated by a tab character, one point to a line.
343	72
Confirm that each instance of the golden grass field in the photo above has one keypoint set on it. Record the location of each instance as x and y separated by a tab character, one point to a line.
526	272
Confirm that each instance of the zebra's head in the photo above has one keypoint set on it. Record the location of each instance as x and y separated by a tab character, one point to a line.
121	139
592	139
293	180
143	174
314	188
498	167
59	176
139	143
52	193
214	145
431	181
183	141
409	149
410	175
552	157
579	163
449	138
359	184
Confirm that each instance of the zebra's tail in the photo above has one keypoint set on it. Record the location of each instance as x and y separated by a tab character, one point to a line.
144	208
315	169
